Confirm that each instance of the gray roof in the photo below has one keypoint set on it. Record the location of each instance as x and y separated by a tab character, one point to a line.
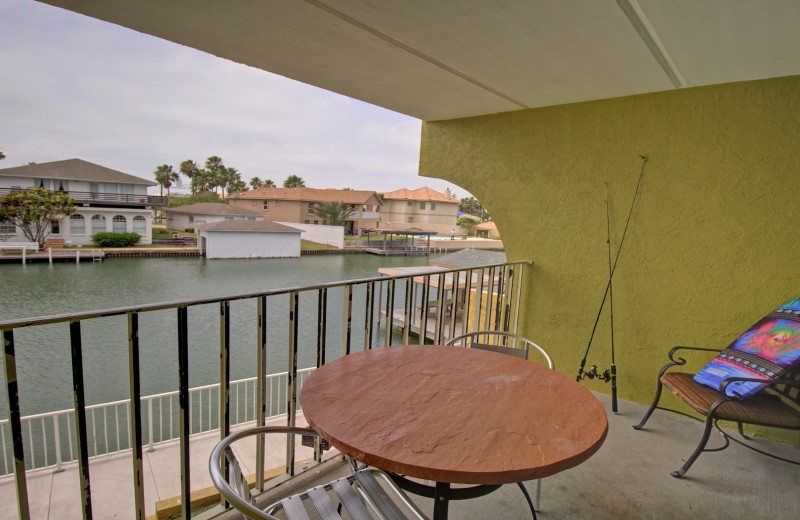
256	226
470	258
213	208
74	170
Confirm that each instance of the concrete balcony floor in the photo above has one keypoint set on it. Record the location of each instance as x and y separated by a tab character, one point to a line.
628	478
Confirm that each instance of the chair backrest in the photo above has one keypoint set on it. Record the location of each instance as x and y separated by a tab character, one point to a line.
499	341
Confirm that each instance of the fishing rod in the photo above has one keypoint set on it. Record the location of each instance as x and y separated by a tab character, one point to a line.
610	374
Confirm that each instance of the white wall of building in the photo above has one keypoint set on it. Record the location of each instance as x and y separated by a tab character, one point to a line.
97	220
249	244
328	235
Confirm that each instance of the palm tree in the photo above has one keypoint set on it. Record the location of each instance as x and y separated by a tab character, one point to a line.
165	176
256	183
334	213
293	181
268	184
190	169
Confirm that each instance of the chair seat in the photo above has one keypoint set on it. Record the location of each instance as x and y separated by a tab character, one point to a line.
323	499
759	409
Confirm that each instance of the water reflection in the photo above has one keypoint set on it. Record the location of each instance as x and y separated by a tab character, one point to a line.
43	353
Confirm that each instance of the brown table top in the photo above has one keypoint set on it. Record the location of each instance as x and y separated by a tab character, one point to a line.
452	414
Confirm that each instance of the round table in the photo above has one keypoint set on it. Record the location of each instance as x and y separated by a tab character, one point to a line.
453	415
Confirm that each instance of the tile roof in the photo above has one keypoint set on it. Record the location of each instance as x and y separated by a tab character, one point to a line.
309	194
421	194
74	170
257	226
213	208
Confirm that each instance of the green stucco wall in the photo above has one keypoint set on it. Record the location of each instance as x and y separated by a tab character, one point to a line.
712	244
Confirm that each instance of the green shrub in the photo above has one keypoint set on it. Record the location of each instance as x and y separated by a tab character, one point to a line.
116	239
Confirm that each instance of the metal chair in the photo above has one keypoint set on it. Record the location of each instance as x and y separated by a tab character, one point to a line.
367	493
513	345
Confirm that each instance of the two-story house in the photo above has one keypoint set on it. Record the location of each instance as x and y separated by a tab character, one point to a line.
422	208
107	200
297	205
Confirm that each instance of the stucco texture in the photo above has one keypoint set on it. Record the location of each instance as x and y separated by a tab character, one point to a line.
711	245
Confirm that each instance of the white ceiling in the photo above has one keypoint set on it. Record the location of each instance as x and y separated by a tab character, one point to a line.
443	59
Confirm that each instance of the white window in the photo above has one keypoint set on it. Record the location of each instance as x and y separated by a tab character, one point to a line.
139	225
421	205
316	222
277	203
98	224
228	218
77	225
433	206
410	219
7	227
119	224
308	222
55	227
310	208
266	205
410	203
255	202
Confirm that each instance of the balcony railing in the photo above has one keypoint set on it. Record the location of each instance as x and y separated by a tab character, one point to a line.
122	199
294	324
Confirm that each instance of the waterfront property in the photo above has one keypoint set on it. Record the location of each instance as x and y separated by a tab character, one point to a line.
191	216
108	200
297	205
558	116
422	208
248	239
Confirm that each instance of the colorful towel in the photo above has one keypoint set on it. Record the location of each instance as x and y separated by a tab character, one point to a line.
768	350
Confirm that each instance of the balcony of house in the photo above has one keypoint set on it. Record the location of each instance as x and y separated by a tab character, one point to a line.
108	199
81	462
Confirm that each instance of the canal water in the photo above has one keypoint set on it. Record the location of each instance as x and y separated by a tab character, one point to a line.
43	353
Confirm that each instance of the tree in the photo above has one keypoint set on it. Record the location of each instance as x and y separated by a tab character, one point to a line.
195	198
269	184
190	169
165	176
468	221
34	210
237	186
293	181
335	213
256	183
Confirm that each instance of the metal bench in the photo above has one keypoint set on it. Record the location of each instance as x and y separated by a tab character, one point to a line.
778	405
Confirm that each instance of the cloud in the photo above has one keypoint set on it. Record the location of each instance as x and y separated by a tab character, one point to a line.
78	87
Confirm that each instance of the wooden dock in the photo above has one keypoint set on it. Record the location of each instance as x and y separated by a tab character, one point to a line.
54	255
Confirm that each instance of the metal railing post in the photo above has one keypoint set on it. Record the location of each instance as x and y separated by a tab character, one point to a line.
14	419
261	390
80	418
291	378
135	414
183	402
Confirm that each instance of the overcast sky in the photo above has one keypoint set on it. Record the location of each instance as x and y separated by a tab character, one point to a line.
76	87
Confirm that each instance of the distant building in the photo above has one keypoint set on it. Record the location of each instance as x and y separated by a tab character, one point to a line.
487	230
422	208
248	239
297	205
189	216
107	200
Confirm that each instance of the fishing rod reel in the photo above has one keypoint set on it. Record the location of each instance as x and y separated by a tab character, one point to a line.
605	375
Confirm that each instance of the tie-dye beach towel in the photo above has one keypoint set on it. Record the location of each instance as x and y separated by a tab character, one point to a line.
768	350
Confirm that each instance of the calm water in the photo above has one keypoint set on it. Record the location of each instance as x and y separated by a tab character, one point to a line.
43	353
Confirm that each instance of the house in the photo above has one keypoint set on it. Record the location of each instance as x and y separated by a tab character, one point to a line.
487	230
248	239
422	208
108	200
297	205
189	216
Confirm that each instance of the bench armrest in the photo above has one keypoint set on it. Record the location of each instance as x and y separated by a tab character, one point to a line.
724	385
681	361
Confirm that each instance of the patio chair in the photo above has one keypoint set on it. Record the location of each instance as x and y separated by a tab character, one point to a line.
366	493
513	345
755	380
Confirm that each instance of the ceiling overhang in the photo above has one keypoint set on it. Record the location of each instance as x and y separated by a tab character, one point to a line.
458	58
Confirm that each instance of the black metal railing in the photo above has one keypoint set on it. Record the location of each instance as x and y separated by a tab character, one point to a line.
127	199
428	307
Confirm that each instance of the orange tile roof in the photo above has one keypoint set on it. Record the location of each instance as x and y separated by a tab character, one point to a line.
309	194
421	194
